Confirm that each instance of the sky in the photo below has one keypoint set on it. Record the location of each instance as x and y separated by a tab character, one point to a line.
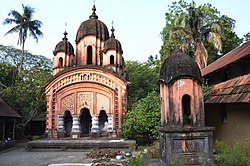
137	23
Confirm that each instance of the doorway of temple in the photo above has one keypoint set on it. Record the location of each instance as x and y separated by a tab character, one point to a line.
85	121
68	121
103	122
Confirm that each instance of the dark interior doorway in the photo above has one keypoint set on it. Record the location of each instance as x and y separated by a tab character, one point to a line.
112	60
89	55
103	117
187	119
85	121
68	121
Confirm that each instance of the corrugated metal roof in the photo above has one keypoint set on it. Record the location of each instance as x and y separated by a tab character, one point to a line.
228	58
236	90
7	111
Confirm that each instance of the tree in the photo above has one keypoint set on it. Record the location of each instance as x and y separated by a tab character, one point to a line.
143	78
142	122
189	26
25	94
24	23
229	39
246	37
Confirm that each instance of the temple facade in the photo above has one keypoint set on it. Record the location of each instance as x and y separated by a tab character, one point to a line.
87	94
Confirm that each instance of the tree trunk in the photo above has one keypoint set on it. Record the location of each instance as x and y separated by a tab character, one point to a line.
25	124
21	59
201	55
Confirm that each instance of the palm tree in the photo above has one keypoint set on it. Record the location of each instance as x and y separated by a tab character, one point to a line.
24	23
195	26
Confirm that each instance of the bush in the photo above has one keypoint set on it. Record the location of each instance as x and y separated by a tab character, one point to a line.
235	154
143	120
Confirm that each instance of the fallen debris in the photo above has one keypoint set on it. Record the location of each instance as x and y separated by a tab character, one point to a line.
105	153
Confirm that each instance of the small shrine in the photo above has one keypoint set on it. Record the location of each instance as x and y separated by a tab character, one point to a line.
183	134
87	94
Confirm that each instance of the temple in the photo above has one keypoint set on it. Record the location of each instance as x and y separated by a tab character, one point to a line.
87	94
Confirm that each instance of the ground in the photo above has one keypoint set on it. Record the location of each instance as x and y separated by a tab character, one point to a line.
19	156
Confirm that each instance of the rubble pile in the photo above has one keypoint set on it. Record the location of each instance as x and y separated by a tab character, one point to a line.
106	157
105	153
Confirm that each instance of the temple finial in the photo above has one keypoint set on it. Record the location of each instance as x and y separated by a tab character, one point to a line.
65	33
112	30
65	26
93	15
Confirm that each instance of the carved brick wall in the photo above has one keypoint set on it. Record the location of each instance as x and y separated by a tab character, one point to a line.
67	103
85	99
103	103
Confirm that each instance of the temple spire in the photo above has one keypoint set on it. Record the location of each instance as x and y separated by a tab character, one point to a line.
65	33
65	36
112	31
93	15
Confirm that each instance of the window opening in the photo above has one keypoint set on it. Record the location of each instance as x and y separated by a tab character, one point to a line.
187	118
89	55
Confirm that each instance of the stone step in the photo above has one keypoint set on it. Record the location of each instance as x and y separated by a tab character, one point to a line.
78	145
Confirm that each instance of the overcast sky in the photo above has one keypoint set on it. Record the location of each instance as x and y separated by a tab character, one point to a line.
137	23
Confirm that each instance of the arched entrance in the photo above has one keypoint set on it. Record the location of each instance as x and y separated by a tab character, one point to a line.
85	121
112	60
187	118
89	55
68	120
103	120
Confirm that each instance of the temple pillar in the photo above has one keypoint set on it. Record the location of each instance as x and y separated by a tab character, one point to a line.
75	133
60	127
110	126
95	131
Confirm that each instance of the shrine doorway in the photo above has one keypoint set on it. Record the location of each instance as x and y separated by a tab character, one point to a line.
103	121
187	118
85	121
68	121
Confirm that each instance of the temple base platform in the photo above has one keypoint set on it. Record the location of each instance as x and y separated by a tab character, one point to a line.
79	144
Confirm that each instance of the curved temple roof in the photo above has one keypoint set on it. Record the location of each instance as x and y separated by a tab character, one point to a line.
179	64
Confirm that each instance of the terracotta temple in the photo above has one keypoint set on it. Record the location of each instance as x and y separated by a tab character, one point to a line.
184	138
87	94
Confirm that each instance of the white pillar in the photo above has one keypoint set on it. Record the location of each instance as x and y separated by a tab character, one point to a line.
60	123
110	123
95	124
76	124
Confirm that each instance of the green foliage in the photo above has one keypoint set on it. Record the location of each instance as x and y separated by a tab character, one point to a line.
229	38
36	137
143	120
205	87
246	37
188	24
134	161
24	91
233	154
142	79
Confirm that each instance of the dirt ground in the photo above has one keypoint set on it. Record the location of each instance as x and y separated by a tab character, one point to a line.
20	157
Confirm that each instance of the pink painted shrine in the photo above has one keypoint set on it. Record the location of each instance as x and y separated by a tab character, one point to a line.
87	94
183	134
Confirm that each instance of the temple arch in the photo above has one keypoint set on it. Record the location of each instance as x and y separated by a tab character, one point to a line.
186	110
85	121
112	59
103	120
60	62
68	121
